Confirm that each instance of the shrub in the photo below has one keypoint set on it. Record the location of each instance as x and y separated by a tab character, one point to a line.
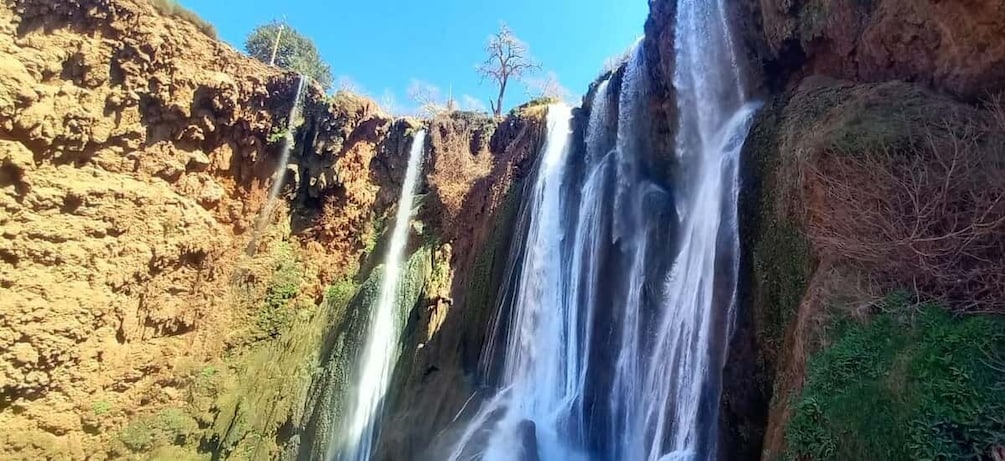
906	385
101	408
276	313
296	52
278	135
173	9
340	292
208	372
929	216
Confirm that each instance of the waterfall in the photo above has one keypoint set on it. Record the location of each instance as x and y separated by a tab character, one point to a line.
681	385
543	369
665	392
279	176
380	352
624	294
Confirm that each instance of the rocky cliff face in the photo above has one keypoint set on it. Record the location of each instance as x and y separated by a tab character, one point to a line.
812	261
128	177
476	172
955	46
852	90
135	157
136	153
839	123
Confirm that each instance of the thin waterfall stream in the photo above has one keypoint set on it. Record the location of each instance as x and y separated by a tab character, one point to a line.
380	351
279	176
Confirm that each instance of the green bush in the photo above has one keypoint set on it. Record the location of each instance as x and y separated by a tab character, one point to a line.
278	135
101	408
905	385
341	292
173	9
296	52
208	372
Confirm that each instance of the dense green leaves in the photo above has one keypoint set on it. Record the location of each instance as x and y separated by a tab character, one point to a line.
906	385
295	52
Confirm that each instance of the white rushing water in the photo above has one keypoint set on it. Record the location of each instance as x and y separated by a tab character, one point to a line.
380	351
625	289
543	366
679	394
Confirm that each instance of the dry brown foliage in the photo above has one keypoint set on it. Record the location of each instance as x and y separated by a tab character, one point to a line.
172	8
931	217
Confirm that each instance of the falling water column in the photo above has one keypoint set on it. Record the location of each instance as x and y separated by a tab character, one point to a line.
533	415
681	386
380	351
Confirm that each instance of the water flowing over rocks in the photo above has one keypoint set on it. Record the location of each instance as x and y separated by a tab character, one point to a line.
137	152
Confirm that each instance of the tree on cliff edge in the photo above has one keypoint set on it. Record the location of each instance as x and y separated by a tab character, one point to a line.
509	58
293	52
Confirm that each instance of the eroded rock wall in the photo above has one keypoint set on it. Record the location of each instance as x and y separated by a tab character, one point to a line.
956	46
832	74
128	175
135	157
476	172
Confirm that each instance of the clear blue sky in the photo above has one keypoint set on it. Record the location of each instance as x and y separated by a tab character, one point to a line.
384	45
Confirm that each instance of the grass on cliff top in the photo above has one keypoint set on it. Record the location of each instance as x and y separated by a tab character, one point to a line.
909	384
173	9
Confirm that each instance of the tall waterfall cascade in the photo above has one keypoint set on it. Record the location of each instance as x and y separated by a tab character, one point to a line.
380	351
678	416
624	289
542	369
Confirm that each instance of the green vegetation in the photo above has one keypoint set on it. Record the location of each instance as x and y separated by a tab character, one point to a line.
172	8
341	292
278	311
486	277
101	407
372	236
295	52
782	257
207	372
168	427
268	388
441	277
537	107
278	135
908	384
344	339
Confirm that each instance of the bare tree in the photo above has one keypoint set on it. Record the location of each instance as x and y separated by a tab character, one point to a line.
547	86
348	85
509	58
428	98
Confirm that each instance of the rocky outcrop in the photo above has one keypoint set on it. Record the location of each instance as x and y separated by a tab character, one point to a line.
956	46
805	257
135	157
345	174
129	176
